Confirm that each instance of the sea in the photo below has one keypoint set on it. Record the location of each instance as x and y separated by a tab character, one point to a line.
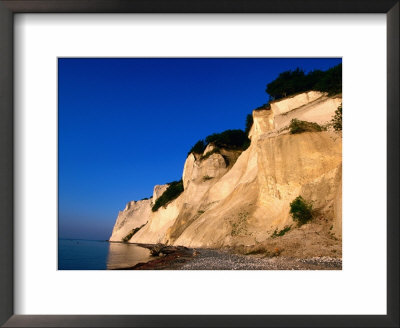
80	254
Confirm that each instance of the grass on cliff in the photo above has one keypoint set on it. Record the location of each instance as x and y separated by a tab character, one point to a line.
130	235
174	189
297	126
301	210
281	233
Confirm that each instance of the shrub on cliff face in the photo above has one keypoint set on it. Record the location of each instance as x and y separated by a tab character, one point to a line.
174	189
301	210
281	233
297	126
337	119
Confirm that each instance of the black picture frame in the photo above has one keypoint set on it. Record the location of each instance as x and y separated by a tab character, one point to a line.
10	7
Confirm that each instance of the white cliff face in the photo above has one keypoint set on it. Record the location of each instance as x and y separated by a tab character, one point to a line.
252	200
263	121
242	198
188	169
158	191
159	222
198	175
310	106
199	170
288	104
133	216
319	111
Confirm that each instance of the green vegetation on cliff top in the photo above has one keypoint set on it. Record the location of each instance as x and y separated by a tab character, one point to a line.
292	82
229	139
286	84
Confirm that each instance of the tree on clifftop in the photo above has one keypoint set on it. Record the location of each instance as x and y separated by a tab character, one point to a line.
230	139
287	83
198	147
292	82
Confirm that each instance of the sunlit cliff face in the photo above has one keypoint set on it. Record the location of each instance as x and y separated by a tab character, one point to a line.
243	200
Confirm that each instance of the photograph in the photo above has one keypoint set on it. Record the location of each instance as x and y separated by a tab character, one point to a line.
199	163
199	145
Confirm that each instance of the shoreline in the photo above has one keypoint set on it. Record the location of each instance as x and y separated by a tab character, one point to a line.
184	258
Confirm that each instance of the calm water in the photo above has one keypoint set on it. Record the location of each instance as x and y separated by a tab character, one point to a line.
74	254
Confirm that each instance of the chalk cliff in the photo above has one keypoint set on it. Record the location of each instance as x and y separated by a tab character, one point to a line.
135	215
240	199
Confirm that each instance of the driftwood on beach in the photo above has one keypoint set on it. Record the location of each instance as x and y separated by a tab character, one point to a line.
162	249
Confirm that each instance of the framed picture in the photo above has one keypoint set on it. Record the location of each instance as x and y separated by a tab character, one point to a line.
75	88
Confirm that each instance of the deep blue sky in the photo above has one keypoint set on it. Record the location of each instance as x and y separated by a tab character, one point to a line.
126	125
